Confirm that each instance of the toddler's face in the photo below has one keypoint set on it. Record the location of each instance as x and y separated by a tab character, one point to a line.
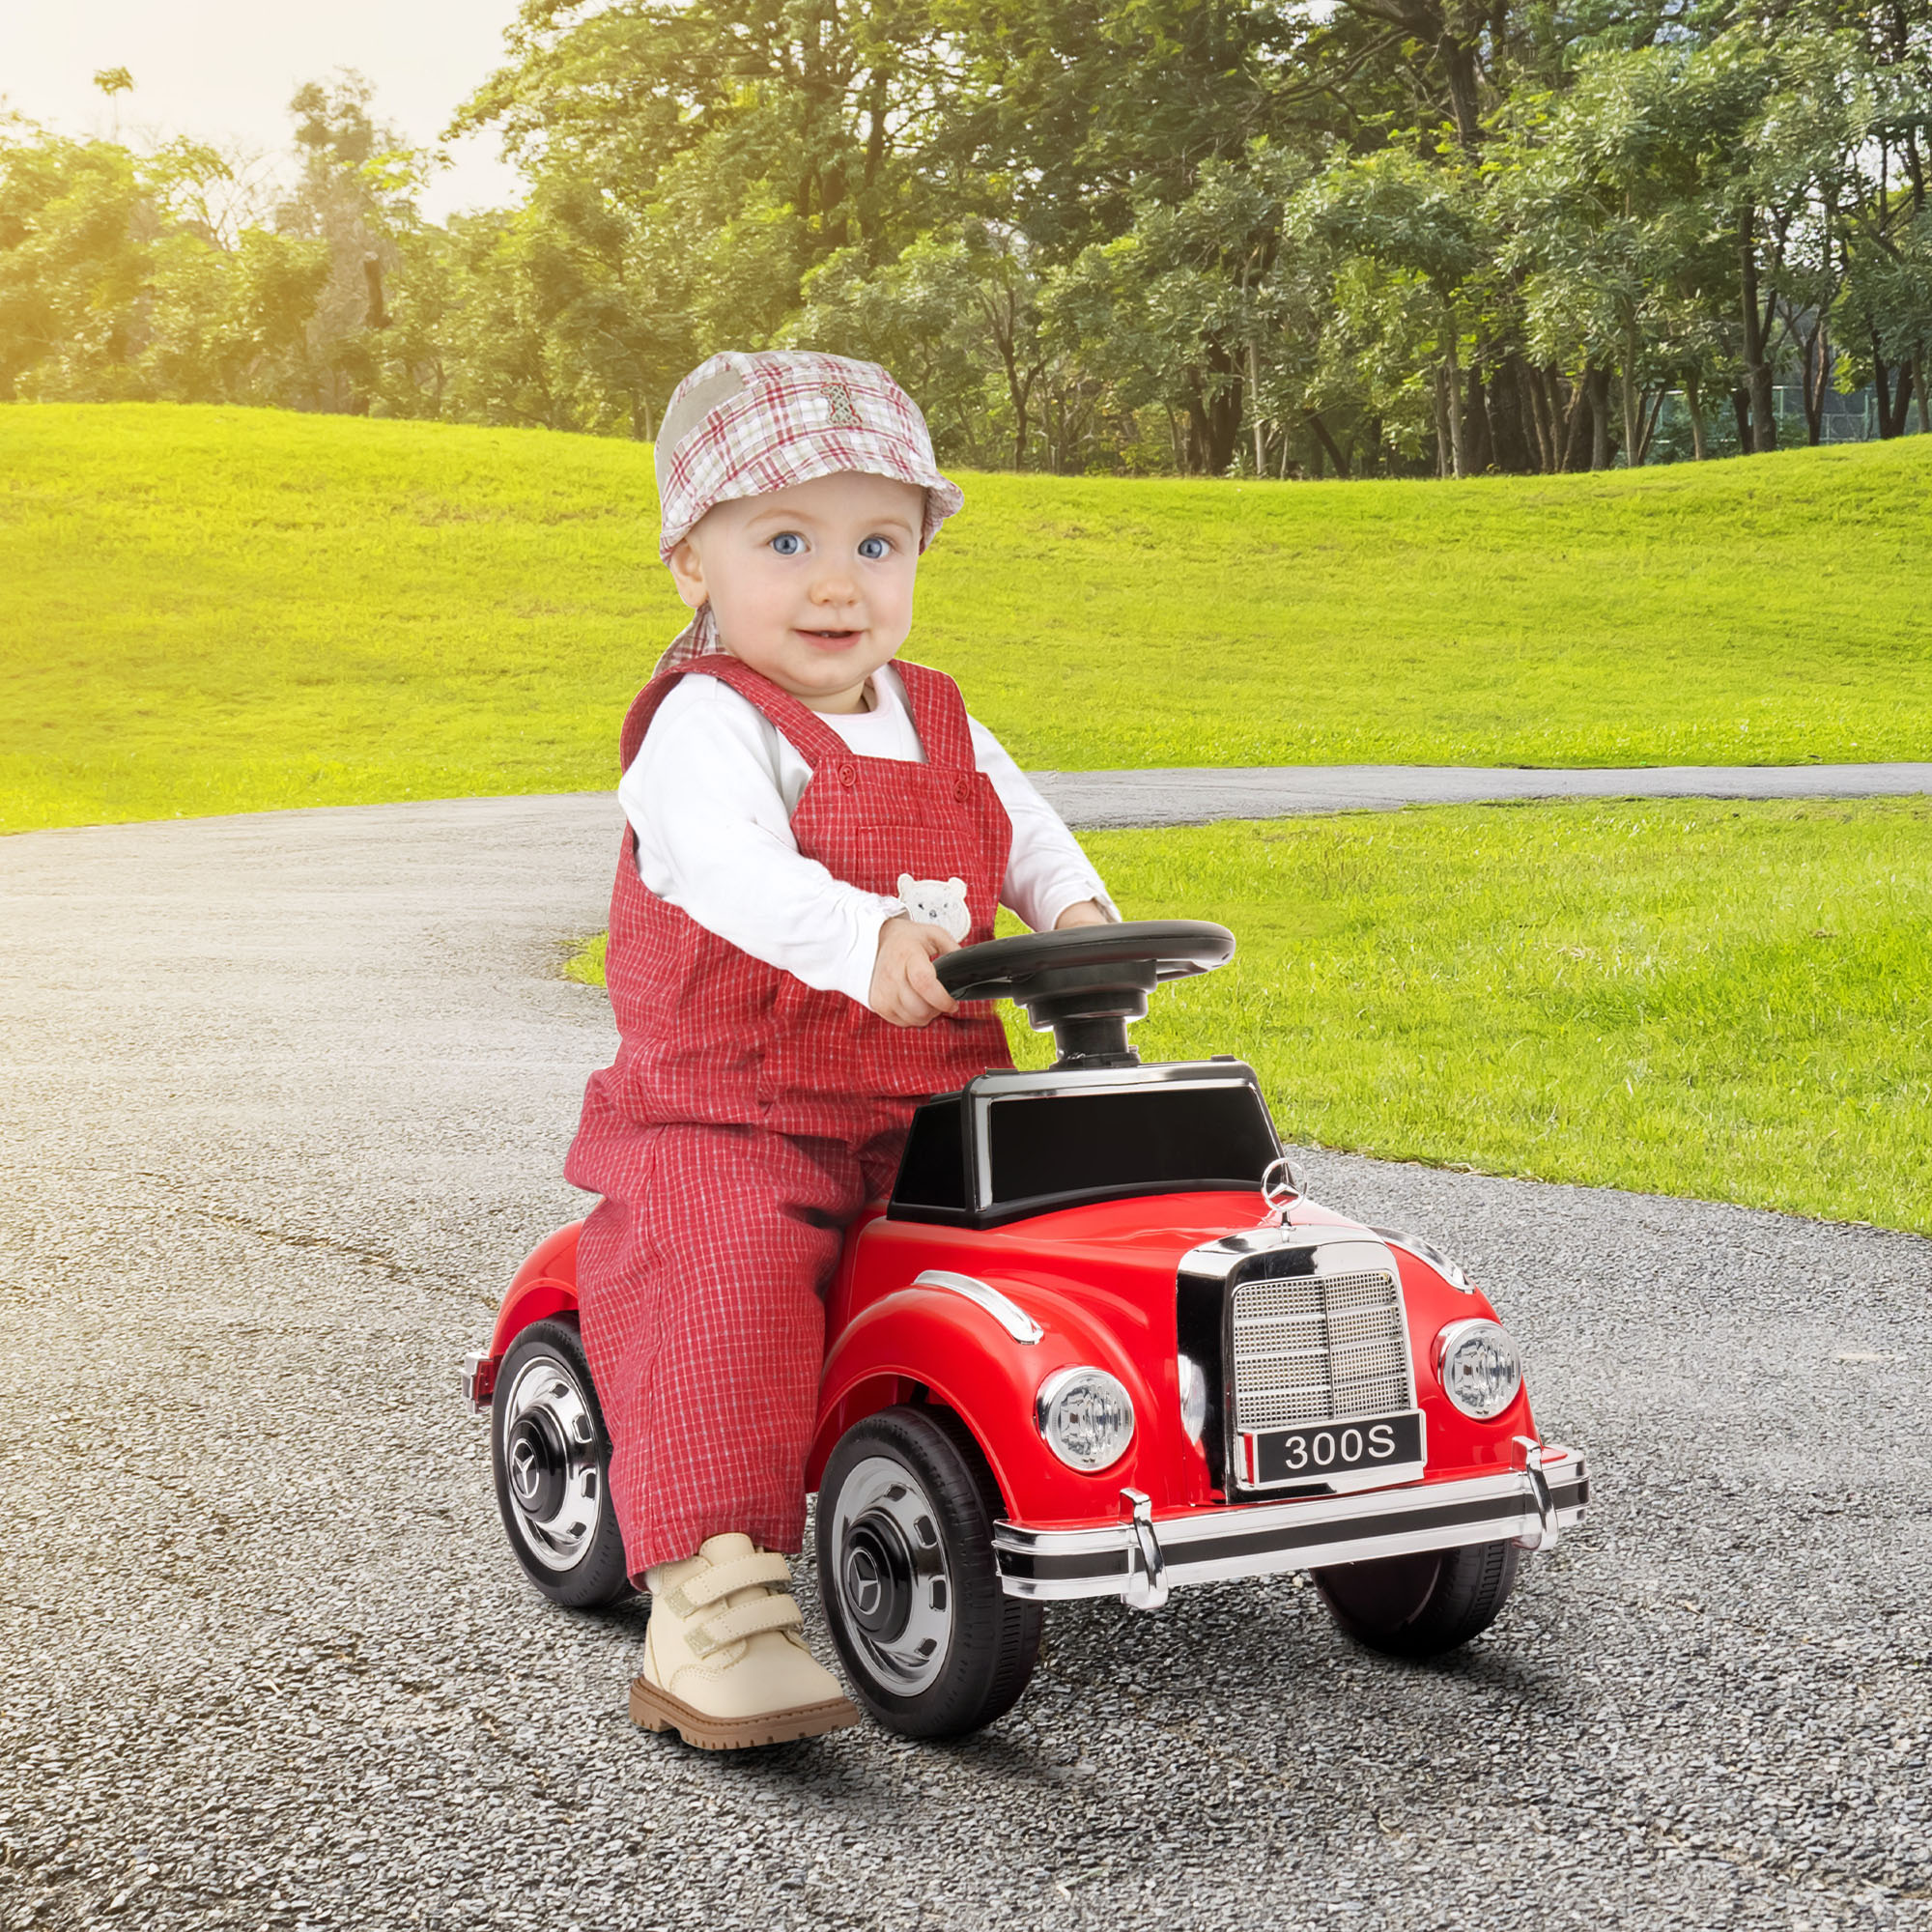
811	586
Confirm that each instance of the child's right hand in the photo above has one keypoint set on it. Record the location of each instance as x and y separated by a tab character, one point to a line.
905	989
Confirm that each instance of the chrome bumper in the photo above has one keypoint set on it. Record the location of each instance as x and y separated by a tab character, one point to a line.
1141	1559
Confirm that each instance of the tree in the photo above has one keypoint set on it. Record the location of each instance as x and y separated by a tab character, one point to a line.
1422	224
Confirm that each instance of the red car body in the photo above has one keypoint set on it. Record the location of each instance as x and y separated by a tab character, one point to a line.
1097	1343
1098	1281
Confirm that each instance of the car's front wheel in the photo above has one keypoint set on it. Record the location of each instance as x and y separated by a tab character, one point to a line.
1420	1605
551	1459
932	1646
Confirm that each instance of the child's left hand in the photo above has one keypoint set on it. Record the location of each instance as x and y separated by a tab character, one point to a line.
905	989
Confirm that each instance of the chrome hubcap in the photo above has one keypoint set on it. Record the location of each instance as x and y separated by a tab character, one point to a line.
894	1585
550	1463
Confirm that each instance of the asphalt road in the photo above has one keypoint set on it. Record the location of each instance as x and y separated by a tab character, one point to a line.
285	1101
1195	796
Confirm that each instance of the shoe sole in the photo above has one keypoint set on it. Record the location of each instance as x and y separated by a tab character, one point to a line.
656	1710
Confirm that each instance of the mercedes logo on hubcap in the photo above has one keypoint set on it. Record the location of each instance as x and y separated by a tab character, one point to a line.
865	1588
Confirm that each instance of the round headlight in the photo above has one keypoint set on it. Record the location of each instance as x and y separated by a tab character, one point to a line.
1480	1368
1087	1417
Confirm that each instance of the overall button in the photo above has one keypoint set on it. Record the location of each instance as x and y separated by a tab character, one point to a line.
848	776
962	789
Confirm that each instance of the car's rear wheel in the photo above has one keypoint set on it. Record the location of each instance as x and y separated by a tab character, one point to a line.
931	1644
551	1459
1420	1605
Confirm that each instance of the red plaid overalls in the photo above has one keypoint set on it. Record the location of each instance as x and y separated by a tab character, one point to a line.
747	1119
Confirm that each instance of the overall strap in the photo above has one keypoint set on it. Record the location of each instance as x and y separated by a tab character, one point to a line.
814	741
938	715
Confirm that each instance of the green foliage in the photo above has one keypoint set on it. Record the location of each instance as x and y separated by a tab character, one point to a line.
1724	1001
212	609
1091	235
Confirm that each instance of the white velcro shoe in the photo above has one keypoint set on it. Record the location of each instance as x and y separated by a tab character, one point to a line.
725	1664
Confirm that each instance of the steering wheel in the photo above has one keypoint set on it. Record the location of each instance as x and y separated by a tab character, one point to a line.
1087	982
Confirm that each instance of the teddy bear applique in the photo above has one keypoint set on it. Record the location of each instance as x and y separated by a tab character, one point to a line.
940	902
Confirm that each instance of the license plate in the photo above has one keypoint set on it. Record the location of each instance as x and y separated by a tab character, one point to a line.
1324	1449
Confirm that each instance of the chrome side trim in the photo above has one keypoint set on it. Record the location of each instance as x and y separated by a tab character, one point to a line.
1428	1251
1270	1539
1008	1314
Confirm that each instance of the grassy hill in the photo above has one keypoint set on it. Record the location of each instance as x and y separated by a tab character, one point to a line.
208	610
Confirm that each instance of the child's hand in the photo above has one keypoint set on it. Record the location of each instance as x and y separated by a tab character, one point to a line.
905	989
1083	912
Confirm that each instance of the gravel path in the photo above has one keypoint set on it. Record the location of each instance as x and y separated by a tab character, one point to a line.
286	1101
1195	796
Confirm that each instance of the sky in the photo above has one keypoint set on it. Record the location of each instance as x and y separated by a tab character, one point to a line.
224	70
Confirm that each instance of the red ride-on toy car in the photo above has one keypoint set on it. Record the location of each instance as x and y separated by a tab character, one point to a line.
1097	1343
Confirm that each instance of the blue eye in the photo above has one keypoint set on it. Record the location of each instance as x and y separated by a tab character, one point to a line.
872	548
788	542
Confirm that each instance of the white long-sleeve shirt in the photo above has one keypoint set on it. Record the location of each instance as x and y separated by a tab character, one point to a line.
711	794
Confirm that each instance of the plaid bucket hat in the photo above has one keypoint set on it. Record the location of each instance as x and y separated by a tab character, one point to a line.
750	421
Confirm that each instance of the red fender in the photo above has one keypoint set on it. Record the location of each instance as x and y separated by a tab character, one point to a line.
959	1353
1458	1445
544	1285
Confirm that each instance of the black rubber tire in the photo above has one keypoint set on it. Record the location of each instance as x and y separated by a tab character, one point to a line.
994	1639
1420	1605
598	1576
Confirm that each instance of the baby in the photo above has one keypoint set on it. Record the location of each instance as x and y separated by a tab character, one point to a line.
811	824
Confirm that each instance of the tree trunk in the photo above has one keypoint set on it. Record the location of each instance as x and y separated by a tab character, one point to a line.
1891	413
1695	404
1441	424
1458	69
1255	407
1740	409
1542	412
1323	441
1451	392
1481	432
1919	392
1757	370
1598	382
1512	427
1215	422
376	314
1813	370
1648	415
1573	433
1633	405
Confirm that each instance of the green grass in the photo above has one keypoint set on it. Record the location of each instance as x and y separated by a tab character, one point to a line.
207	610
1727	1001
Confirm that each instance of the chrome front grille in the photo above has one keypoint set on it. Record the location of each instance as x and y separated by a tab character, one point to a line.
1318	1348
